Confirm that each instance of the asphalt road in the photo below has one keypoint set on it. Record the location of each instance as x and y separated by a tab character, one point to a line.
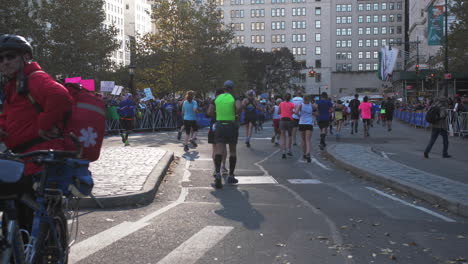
299	213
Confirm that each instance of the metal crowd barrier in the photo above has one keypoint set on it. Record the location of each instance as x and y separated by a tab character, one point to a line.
456	122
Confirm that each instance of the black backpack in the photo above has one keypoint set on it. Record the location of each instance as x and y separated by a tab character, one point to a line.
433	114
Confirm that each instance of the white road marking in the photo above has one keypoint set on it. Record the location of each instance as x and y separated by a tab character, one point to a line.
259	138
304	181
195	247
263	160
187	174
314	160
384	155
204	159
256	180
447	219
101	240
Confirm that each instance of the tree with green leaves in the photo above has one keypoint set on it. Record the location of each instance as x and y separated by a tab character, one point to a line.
458	37
78	43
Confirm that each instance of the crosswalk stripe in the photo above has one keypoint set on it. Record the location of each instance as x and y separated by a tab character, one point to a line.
195	247
304	181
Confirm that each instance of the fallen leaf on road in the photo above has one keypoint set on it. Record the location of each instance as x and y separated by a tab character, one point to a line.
344	227
460	236
386	251
239	247
109	220
391	242
261	234
374	255
350	257
375	224
299	218
392	257
280	245
359	221
426	249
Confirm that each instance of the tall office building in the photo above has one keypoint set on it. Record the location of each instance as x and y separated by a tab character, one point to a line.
114	10
303	26
137	22
339	38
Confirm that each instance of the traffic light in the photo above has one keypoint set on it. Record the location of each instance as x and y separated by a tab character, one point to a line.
432	77
416	68
311	73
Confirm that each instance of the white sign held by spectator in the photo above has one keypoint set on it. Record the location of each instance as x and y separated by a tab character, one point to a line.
148	93
117	90
107	86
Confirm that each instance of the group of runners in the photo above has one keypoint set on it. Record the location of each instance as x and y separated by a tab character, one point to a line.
290	116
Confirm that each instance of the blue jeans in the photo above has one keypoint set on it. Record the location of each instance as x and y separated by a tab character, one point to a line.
434	135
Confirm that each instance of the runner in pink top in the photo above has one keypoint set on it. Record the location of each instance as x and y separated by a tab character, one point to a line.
366	108
286	109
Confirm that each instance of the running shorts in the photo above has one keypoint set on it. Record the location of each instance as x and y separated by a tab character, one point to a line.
126	124
226	132
389	115
338	115
323	124
354	115
250	117
189	125
304	127
286	124
276	123
366	121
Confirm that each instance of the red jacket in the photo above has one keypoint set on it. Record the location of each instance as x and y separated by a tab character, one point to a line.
22	121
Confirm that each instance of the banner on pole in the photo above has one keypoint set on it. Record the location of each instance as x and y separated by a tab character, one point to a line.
107	86
435	25
388	60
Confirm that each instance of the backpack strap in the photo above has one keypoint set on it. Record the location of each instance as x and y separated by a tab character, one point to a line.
36	105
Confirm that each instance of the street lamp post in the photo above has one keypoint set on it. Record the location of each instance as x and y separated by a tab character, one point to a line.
131	72
446	50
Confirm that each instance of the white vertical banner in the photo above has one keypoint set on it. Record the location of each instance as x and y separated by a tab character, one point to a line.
389	58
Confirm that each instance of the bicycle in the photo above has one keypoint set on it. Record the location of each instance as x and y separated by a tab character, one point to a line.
63	179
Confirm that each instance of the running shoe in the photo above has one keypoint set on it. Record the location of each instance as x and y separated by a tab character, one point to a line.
194	143
304	156
186	148
179	135
309	160
126	143
232	180
123	137
247	144
218	181
283	156
289	153
322	146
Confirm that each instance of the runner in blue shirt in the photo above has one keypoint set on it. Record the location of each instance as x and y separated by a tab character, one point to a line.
324	107
189	109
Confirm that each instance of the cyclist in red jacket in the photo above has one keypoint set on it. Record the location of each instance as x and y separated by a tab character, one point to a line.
34	108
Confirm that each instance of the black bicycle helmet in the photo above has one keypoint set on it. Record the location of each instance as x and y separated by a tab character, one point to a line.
15	42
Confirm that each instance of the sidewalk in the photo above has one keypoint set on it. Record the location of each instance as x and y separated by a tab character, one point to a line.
396	159
126	176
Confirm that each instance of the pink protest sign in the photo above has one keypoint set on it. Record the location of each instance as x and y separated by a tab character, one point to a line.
73	80
88	84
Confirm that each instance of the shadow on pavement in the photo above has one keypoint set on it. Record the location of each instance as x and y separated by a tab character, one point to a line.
237	207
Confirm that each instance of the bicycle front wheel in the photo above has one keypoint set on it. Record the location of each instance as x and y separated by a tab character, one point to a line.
53	241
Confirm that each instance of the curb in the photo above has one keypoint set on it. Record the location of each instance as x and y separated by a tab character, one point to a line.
146	195
454	206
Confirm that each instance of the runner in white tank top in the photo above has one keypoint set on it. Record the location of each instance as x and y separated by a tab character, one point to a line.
306	121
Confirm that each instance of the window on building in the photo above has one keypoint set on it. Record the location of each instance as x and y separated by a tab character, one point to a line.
383	30
368	30
368	42
338	20
338	31
317	37
384	42
368	7
376	19
391	30
257	2
318	11
318	77
376	42
376	7
349	43
361	7
360	67
376	66
338	44
318	50
350	31
317	24
399	5
398	29
318	63
360	43
360	31
384	18
399	18
376	54
360	55
360	19
368	67
391	18
338	8
350	8
343	43
376	31
384	6
391	6
343	32
349	19
368	55
368	19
